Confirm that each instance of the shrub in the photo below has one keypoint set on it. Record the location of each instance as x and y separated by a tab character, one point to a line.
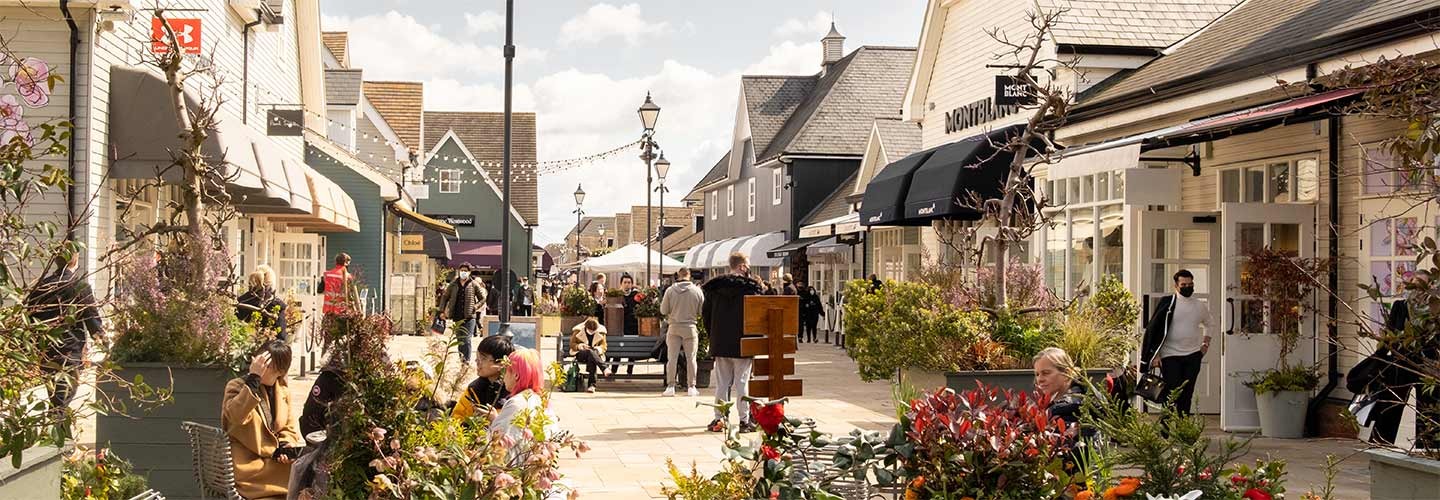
99	475
575	301
647	303
903	325
1100	332
985	444
1285	378
1024	286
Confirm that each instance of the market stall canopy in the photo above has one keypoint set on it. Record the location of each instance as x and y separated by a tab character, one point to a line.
402	209
712	254
957	173
479	254
630	258
884	201
332	210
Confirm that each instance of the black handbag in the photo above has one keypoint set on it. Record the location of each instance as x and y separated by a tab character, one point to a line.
1367	371
1151	387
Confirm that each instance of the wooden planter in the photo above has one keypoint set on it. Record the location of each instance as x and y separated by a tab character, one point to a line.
1397	476
1016	380
703	368
550	326
152	440
38	477
615	315
567	323
649	327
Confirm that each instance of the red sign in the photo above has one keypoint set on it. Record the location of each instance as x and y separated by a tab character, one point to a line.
187	34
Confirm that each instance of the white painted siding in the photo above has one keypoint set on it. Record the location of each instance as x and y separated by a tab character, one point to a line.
960	76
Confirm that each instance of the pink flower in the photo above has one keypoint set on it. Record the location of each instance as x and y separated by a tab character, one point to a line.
395	445
504	480
12	121
1205	475
377	433
380	465
477	475
31	77
584	447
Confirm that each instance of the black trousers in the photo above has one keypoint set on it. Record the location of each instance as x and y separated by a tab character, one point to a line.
1180	374
809	327
592	364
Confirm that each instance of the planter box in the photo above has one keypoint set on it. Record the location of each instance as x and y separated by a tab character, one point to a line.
1397	476
152	440
702	373
568	323
550	326
649	327
1017	380
615	315
1282	414
38	477
924	380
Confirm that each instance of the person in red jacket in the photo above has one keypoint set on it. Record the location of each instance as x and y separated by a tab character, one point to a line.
338	287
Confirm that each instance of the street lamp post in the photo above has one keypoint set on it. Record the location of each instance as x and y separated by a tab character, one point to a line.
504	289
579	212
662	168
649	113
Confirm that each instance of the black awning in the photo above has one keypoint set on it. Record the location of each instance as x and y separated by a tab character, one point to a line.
884	201
794	245
944	186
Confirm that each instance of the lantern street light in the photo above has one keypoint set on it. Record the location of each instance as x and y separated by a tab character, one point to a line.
662	168
579	212
649	113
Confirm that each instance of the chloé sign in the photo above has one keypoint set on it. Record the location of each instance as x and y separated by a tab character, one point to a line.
976	113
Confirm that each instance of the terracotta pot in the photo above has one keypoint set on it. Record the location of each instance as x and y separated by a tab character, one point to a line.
650	327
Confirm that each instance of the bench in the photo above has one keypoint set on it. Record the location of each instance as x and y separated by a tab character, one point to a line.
634	349
210	454
149	495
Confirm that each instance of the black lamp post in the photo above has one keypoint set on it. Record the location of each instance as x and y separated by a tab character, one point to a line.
649	113
504	289
579	212
662	168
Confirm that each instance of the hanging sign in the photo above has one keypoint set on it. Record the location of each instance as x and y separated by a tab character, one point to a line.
455	220
284	122
412	243
1011	91
187	35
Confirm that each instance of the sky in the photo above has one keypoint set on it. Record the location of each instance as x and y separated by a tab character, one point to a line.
584	67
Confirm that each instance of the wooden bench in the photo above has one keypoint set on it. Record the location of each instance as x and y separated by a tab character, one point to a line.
210	454
634	349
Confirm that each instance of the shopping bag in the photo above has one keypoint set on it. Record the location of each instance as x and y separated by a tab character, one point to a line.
437	327
572	379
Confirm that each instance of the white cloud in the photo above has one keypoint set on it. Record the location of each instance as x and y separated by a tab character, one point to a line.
485	22
806	29
446	94
396	46
788	58
604	21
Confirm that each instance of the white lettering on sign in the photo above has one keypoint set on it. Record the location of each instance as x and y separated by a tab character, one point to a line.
927	210
976	113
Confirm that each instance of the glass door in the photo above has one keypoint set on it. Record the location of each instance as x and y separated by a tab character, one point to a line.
1169	242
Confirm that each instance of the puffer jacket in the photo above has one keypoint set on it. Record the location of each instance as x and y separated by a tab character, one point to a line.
464	300
724	312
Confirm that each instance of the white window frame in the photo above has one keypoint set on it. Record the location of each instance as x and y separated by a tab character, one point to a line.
1292	164
449	177
714	204
750	199
777	178
730	200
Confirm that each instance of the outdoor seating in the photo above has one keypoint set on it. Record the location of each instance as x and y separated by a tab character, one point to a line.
635	350
149	495
210	453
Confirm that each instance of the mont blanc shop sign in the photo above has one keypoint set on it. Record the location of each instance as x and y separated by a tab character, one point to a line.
1011	91
455	220
976	113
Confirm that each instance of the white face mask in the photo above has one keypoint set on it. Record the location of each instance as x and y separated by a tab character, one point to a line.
464	275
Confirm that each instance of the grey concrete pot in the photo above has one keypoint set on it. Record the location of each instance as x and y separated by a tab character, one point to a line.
1282	414
38	477
1016	380
1397	476
152	440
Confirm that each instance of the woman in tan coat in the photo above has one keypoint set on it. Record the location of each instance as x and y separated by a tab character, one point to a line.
256	416
587	345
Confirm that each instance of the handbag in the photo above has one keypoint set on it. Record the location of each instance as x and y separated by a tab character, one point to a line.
437	326
1367	371
1151	387
572	378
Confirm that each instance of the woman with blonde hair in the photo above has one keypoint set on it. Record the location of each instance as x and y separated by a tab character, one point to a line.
260	305
1055	379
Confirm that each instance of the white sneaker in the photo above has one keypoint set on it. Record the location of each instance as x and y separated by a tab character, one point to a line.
693	392
669	391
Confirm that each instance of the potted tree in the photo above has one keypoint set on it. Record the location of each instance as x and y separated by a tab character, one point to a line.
647	310
575	305
1285	284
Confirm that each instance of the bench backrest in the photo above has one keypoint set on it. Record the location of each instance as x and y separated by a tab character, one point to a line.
214	467
622	346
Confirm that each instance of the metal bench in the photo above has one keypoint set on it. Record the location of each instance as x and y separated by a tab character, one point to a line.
634	349
210	453
149	495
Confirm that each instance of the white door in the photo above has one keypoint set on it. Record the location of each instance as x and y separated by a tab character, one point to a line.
1169	242
1249	341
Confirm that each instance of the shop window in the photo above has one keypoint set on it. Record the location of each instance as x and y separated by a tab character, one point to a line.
730	200
1102	187
1082	247
1057	238
450	181
296	267
1274	181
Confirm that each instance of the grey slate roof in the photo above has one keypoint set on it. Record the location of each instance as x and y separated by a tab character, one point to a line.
483	134
834	205
1133	23
342	86
836	117
899	137
1258	37
716	173
770	101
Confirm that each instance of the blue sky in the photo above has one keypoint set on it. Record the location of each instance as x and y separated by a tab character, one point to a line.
584	67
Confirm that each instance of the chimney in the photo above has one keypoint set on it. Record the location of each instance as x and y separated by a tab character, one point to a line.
833	45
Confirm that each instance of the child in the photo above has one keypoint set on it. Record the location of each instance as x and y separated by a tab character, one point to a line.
487	389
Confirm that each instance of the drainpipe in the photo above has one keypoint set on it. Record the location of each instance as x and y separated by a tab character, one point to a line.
72	161
1332	280
245	72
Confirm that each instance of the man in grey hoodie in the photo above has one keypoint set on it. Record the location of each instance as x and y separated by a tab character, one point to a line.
681	307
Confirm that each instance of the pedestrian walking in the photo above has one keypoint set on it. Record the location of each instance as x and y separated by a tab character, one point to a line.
338	288
64	302
681	306
1176	340
525	300
787	286
724	317
811	309
464	304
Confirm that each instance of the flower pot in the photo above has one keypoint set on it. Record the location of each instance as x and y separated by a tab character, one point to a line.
703	368
151	439
1397	476
615	315
38	476
1282	414
649	327
567	324
1015	380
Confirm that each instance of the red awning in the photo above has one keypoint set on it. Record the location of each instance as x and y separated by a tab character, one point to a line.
1260	113
479	254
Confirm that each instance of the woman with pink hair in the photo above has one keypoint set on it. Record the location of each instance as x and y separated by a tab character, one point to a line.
524	379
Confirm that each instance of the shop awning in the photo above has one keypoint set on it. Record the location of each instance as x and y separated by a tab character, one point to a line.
971	168
403	210
1081	164
826	246
795	245
712	254
286	189
331	209
845	224
479	254
418	239
884	201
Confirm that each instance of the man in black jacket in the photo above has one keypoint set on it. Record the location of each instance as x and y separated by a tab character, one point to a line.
64	302
724	317
1175	342
811	309
1391	388
463	305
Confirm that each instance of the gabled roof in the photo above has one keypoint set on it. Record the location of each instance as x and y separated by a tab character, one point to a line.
342	86
834	205
899	137
400	103
1257	38
338	43
716	174
770	101
1132	23
482	133
836	117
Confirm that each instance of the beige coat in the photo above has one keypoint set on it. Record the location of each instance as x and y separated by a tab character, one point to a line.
577	337
254	437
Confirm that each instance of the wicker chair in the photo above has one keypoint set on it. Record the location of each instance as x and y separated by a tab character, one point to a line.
149	495
210	452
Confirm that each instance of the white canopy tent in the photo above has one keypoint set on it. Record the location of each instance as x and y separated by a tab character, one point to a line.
630	259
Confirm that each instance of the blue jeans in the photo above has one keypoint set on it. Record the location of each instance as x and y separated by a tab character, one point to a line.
464	330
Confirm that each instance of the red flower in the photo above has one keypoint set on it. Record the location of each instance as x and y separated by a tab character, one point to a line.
769	452
768	417
1256	494
1237	479
639	297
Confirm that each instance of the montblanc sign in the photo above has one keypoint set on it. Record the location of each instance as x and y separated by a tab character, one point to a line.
976	113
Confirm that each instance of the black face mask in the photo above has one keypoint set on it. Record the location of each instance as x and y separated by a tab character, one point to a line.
1187	290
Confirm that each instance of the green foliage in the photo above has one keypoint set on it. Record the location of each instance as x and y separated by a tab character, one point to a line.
904	325
99	476
575	301
733	482
1100	332
647	303
1171	457
1285	378
1023	338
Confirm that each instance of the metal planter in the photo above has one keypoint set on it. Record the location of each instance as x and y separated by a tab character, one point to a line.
151	439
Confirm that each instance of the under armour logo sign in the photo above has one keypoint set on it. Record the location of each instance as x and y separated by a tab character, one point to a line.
187	35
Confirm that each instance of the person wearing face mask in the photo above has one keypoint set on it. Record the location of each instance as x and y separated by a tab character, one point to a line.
464	303
1176	340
